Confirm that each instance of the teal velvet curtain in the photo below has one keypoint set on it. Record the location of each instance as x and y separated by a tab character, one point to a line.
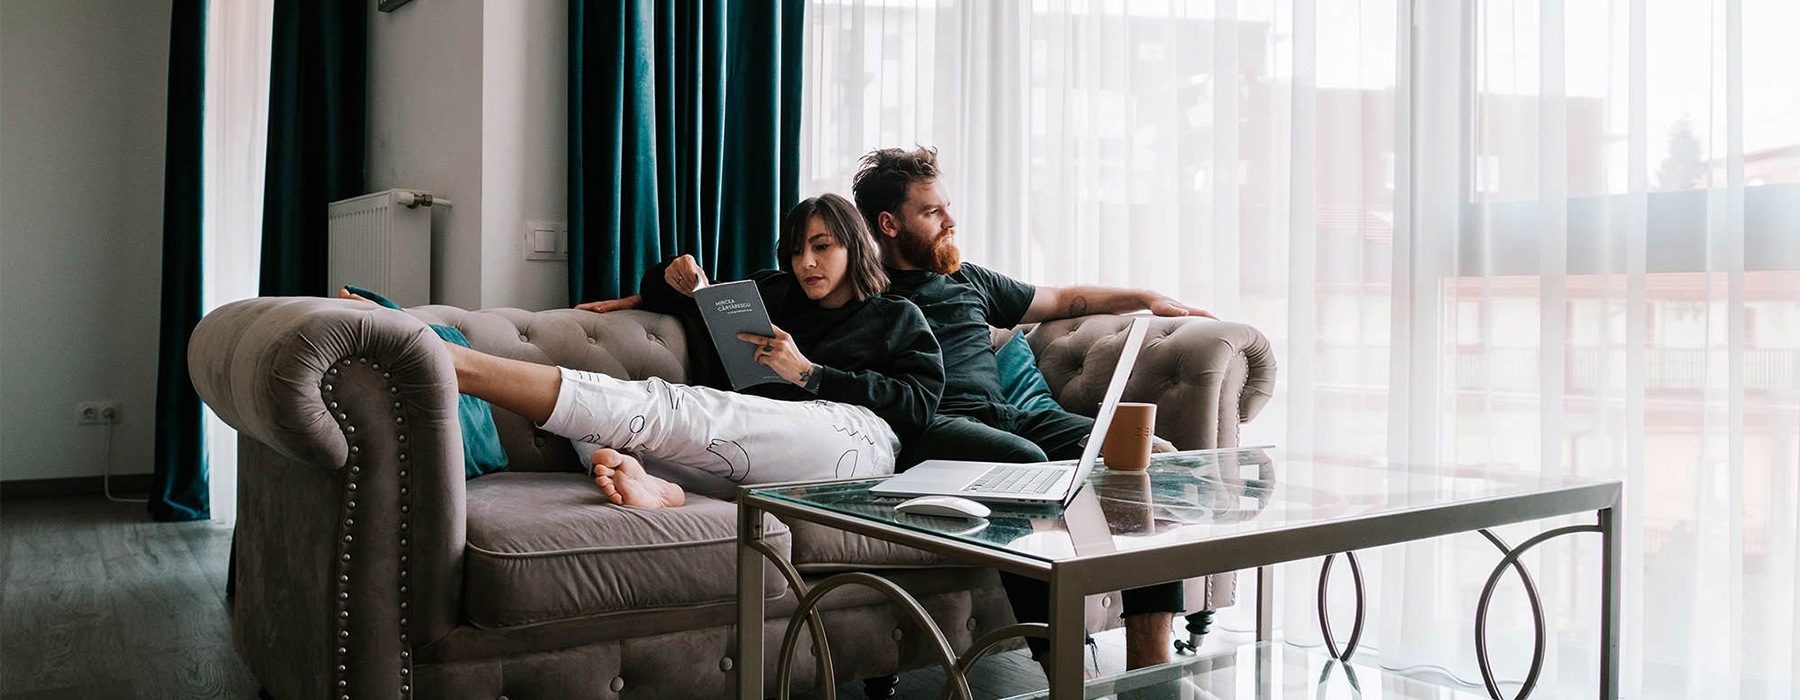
317	74
683	136
178	489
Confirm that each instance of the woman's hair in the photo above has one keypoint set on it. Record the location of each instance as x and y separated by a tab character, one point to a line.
864	273
887	176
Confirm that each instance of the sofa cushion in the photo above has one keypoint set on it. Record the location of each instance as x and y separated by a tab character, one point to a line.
1021	383
545	546
822	549
482	453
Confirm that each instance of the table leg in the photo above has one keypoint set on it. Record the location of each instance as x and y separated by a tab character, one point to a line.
1265	603
1066	634
1611	581
750	604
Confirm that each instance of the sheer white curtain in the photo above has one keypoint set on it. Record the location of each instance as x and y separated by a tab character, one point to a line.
1560	236
236	144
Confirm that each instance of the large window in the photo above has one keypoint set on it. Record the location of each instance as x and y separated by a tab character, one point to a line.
1556	236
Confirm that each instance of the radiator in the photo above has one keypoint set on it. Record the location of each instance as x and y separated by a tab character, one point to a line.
382	242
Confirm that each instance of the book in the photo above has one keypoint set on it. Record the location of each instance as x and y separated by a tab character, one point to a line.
730	308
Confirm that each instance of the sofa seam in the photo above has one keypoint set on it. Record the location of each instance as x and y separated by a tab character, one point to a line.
686	544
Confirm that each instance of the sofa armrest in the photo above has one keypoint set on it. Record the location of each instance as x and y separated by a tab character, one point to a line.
1205	376
351	524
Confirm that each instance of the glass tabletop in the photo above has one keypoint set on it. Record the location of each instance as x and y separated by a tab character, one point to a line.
1190	496
1266	672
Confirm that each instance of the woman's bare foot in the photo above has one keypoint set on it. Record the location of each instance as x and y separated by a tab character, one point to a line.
626	483
346	294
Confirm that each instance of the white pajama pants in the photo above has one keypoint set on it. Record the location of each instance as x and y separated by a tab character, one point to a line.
744	439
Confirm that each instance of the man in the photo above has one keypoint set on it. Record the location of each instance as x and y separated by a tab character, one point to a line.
897	192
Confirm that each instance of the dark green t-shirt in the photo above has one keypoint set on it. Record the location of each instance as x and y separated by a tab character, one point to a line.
961	309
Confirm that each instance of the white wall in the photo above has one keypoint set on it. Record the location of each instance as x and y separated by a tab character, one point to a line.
468	99
424	128
524	149
82	105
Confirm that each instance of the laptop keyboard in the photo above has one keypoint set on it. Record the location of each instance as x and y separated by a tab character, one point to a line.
1021	480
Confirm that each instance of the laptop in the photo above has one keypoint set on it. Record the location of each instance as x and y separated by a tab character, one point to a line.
1006	482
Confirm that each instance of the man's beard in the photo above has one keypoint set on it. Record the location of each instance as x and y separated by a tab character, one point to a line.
937	254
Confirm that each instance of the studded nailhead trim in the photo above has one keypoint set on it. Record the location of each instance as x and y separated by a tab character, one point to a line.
347	537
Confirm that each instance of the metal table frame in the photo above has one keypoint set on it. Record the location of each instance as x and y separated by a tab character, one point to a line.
1071	580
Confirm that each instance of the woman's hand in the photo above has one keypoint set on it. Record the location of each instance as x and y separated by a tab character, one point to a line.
684	275
600	307
780	354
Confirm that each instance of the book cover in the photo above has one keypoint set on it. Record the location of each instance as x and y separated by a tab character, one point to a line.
731	308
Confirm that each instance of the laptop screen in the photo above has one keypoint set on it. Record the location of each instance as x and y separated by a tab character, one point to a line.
1127	358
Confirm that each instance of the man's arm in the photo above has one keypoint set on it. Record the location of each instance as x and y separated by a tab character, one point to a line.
630	302
1052	303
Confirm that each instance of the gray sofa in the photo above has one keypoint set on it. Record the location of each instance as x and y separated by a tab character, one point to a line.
368	566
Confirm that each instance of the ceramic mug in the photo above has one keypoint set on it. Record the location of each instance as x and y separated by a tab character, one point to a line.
1127	444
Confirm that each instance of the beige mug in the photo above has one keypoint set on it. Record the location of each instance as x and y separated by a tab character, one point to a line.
1127	443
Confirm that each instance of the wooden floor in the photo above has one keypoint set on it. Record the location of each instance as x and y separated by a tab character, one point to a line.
97	601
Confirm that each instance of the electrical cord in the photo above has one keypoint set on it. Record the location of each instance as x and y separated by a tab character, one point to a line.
106	473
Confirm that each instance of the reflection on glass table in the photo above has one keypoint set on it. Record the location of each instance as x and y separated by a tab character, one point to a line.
1290	674
1115	510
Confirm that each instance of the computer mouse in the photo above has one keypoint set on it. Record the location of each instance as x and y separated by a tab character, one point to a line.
945	506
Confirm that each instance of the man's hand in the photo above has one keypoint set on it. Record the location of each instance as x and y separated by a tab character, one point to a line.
780	354
600	307
684	275
1056	303
1164	306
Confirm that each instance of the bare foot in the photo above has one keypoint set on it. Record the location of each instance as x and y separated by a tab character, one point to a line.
346	294
626	483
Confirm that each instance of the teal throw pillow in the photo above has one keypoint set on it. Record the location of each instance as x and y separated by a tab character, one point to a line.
1020	381
482	453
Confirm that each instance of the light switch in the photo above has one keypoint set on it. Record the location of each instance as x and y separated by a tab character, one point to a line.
546	240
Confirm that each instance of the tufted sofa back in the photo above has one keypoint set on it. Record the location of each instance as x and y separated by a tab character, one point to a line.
1222	373
624	344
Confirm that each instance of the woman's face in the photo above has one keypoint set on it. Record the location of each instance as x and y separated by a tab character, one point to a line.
821	265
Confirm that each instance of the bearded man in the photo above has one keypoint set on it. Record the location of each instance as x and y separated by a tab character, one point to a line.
897	193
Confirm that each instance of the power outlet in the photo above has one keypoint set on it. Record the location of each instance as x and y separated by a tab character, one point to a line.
102	412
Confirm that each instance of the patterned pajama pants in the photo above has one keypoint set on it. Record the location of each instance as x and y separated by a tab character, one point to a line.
741	438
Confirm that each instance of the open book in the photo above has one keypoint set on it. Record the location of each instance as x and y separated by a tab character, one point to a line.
731	308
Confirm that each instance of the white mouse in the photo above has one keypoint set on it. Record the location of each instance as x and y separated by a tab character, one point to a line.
945	506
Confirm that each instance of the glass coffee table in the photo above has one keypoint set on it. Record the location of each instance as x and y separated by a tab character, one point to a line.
1191	514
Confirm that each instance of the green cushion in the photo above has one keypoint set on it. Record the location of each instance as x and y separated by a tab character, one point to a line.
1020	381
482	453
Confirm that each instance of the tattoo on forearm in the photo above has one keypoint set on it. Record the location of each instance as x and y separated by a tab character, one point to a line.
805	376
1078	306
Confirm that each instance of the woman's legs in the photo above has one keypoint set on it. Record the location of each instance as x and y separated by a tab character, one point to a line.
530	390
746	439
526	388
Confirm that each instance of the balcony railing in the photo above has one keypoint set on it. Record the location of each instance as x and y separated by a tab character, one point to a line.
1585	370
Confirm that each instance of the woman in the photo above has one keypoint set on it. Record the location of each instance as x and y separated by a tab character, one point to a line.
862	372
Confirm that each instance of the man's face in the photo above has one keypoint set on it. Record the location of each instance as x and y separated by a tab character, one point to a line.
926	237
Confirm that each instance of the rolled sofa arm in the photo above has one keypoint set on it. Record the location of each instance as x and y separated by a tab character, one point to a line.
1205	376
351	522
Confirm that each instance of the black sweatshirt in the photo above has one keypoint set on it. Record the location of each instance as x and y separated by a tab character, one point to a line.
877	353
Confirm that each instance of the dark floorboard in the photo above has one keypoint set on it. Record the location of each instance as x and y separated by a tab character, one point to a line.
101	602
97	601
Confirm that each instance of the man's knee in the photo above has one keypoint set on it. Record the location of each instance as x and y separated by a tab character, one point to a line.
1022	451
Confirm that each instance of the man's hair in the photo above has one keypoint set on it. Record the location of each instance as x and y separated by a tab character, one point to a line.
886	176
864	272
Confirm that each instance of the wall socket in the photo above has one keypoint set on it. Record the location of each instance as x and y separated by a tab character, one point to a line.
101	412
